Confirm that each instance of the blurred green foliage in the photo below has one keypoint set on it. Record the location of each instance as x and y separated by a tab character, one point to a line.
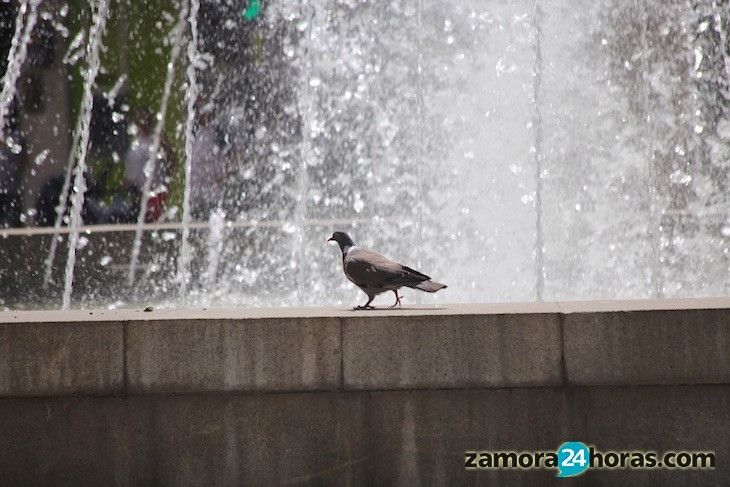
136	46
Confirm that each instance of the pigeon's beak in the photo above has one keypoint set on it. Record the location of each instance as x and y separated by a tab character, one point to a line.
329	240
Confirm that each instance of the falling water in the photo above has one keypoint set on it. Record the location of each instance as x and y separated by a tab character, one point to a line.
192	96
360	109
300	212
305	108
657	281
16	57
217	225
537	155
77	200
151	162
113	93
62	204
421	127
723	40
726	63
421	143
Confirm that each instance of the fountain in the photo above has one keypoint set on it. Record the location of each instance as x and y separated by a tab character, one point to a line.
79	187
191	96
151	162
519	150
24	24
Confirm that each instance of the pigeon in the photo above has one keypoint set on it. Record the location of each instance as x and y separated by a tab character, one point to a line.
376	274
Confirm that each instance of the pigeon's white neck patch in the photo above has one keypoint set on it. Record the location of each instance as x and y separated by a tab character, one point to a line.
347	249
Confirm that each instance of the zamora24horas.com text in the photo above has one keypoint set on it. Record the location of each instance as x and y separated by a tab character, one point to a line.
574	458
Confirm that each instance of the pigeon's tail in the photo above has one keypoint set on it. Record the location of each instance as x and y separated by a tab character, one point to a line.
429	286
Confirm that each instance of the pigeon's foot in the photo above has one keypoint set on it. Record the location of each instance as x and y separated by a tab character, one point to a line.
365	306
397	299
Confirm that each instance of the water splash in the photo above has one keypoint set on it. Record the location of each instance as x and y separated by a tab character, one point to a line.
537	155
16	56
77	200
359	140
656	276
216	234
306	154
723	39
421	128
113	93
151	162
192	97
62	204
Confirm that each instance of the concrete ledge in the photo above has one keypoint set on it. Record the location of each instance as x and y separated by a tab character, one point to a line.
355	438
434	352
453	347
49	359
376	398
171	314
648	347
228	355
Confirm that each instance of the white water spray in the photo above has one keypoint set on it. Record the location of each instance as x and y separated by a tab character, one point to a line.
216	234
305	107
62	204
421	127
16	56
151	162
192	96
723	39
657	277
77	200
537	156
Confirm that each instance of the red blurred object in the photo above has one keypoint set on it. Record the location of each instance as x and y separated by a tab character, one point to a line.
155	207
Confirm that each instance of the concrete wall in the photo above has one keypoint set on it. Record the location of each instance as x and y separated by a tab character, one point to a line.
328	397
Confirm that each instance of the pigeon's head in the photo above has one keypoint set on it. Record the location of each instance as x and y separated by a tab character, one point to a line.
342	239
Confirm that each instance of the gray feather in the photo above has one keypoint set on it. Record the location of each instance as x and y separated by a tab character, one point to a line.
429	286
374	273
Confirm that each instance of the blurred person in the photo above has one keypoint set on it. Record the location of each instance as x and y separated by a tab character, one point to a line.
107	199
136	158
139	150
49	198
209	170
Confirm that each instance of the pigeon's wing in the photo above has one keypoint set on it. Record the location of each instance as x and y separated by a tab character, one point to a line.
368	269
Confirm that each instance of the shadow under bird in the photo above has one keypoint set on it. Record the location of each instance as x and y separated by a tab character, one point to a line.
376	274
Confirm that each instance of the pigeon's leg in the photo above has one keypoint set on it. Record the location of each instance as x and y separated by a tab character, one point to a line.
367	305
397	299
